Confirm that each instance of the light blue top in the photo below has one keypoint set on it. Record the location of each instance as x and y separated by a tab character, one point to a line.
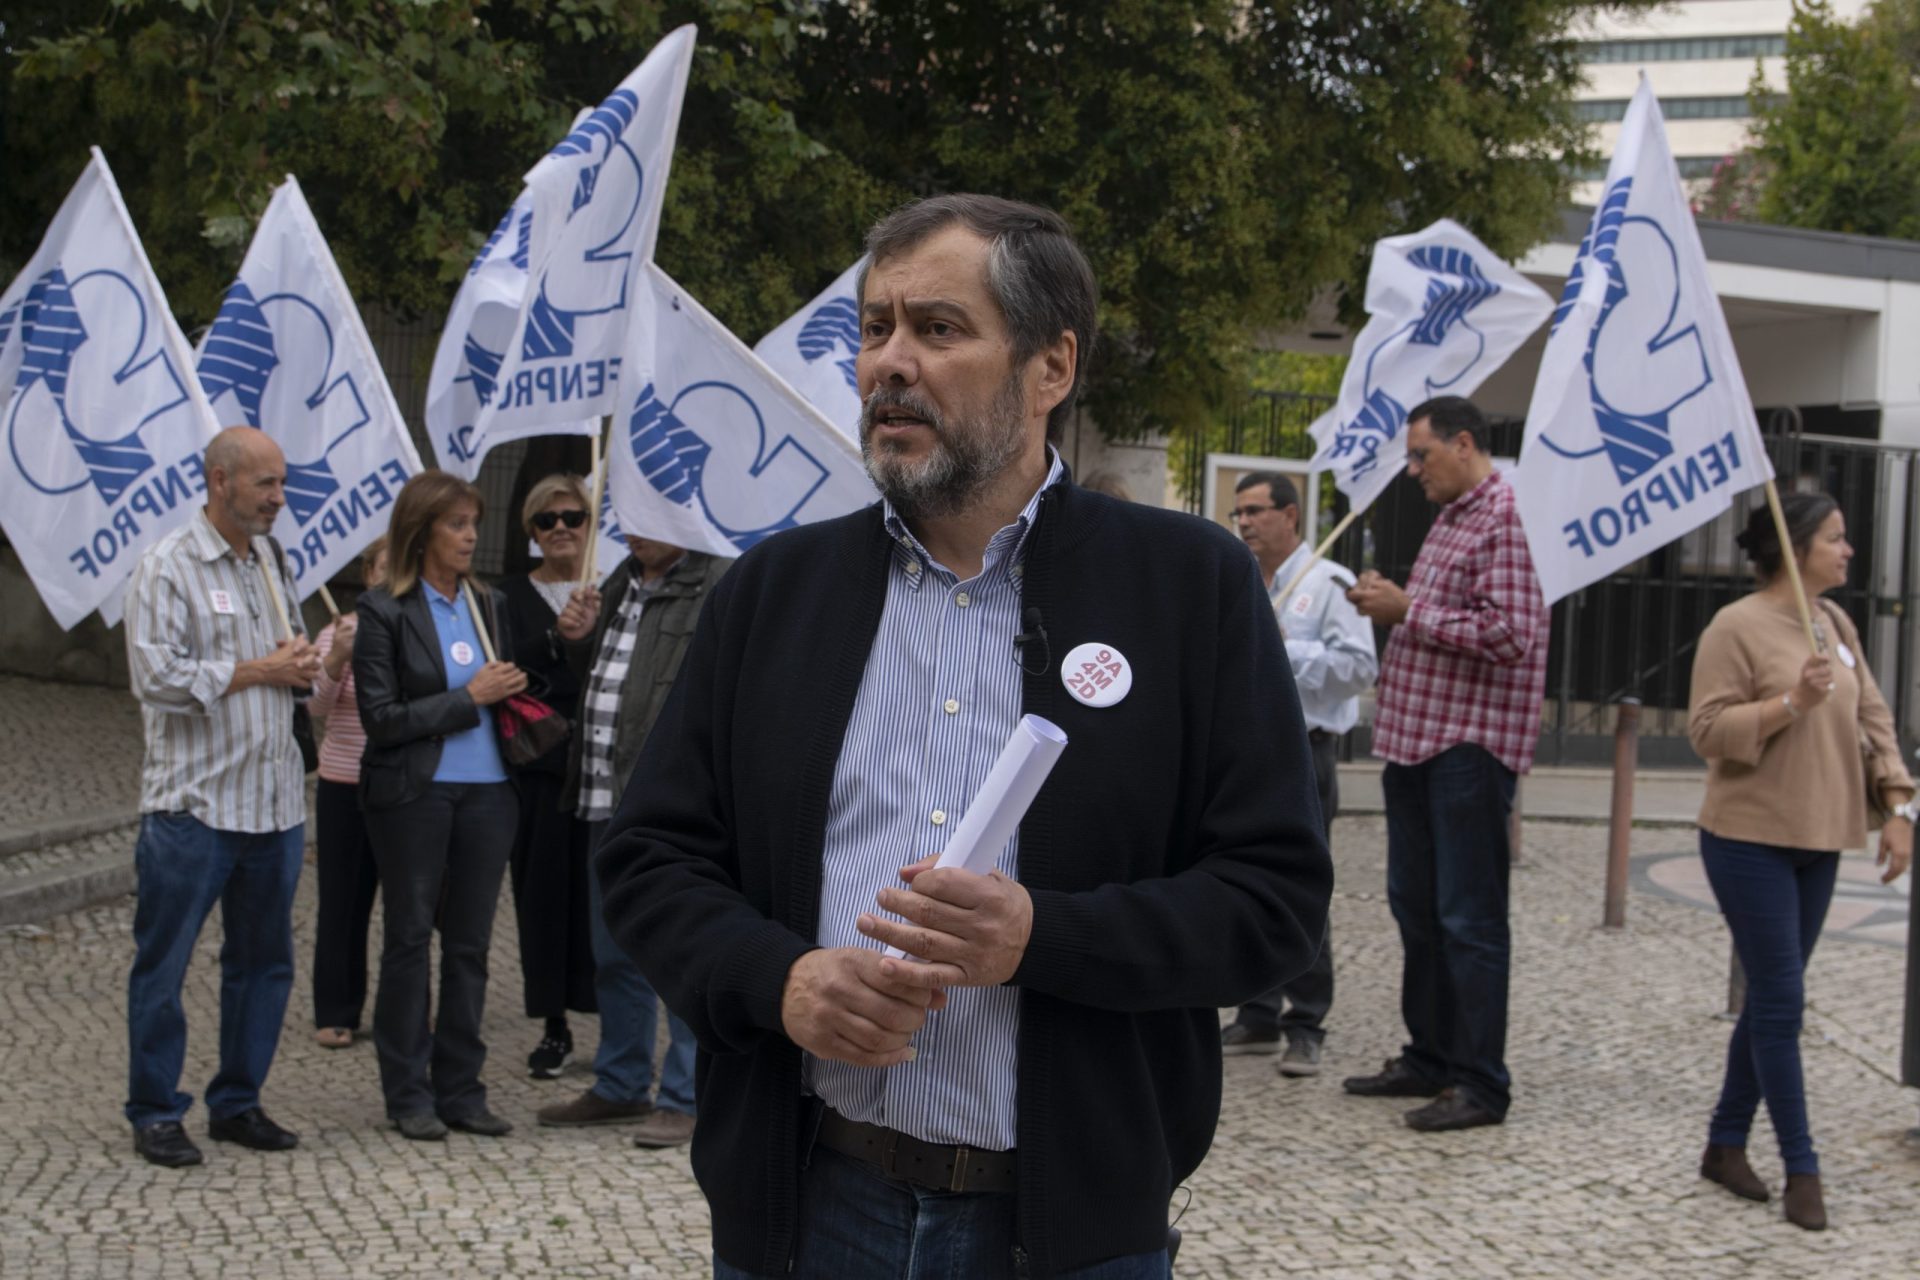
471	755
939	699
1329	644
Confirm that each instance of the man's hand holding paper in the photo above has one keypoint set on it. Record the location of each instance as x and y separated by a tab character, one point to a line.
838	1004
969	930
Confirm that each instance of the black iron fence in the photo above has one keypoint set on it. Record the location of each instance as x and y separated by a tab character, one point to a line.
1633	635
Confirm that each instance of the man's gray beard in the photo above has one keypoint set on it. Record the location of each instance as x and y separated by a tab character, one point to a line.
967	457
247	523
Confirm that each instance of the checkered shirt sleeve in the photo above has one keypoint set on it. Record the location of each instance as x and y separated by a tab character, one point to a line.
1469	663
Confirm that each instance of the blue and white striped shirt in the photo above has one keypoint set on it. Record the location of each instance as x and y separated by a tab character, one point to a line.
940	697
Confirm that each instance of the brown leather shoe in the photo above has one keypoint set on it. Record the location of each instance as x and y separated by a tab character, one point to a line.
1728	1166
1806	1207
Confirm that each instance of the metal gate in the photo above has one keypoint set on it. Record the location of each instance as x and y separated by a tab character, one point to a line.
1633	635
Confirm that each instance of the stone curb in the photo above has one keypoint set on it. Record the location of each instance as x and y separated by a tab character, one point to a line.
62	831
46	894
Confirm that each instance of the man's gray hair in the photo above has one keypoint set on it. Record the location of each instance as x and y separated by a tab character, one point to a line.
1037	274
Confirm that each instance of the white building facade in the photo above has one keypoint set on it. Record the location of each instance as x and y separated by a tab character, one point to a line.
1701	56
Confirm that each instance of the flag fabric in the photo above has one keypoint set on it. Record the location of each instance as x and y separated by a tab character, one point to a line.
814	350
1641	428
712	450
1443	313
288	353
467	363
105	424
582	229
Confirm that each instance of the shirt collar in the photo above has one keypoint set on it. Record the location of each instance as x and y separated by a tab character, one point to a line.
1473	497
208	543
434	596
914	559
1288	567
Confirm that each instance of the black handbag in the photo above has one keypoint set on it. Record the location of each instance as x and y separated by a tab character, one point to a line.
527	727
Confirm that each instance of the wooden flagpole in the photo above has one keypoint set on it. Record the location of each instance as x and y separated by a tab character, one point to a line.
269	571
1319	553
593	512
1792	567
326	598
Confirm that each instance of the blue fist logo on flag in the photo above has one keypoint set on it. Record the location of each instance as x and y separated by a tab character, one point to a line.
1455	286
126	376
833	326
710	444
610	187
1645	357
273	359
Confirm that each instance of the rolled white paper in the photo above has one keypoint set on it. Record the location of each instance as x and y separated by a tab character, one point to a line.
1004	797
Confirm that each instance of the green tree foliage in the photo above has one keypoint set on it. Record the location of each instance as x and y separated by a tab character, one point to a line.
1840	151
1224	161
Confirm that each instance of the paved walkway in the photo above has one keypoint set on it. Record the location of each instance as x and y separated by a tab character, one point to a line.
1615	1050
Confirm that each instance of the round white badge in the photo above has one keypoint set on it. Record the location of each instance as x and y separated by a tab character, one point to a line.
1846	654
1096	674
462	653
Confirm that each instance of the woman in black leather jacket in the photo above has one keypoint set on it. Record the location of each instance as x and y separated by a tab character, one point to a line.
439	805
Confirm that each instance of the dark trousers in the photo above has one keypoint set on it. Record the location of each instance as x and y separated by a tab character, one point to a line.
1307	997
1447	866
183	867
441	859
856	1222
550	902
1775	901
348	878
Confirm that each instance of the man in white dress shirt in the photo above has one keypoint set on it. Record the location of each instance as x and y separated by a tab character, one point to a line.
1331	649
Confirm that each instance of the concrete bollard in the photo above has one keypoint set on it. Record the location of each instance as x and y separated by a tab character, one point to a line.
1626	758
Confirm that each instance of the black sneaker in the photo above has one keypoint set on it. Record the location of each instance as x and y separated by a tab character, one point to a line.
1238	1038
550	1056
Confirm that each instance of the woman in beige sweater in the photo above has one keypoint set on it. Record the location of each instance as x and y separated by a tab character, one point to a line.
1786	790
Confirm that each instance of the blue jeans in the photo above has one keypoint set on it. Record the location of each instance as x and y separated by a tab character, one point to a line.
1447	866
629	1012
183	867
858	1224
1775	901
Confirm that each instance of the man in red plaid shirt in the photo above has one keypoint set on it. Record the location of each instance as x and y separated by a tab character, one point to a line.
1459	709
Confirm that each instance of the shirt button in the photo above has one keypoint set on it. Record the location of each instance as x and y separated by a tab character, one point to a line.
962	599
950	706
939	817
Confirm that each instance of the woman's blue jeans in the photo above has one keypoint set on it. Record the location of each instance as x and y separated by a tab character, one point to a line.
1774	900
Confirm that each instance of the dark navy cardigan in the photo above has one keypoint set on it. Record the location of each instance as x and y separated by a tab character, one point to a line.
1175	859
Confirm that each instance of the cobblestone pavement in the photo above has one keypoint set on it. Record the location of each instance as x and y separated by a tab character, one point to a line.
71	751
1615	1051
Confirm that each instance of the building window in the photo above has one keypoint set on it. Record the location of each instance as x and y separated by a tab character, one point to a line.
1691	168
1606	110
1689	49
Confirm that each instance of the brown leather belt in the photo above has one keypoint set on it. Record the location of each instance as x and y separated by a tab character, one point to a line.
925	1164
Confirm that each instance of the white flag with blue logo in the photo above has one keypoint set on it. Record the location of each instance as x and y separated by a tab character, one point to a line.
288	353
1641	428
712	450
815	348
105	423
585	225
1443	312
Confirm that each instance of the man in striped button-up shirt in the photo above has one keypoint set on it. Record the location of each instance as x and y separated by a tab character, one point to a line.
222	797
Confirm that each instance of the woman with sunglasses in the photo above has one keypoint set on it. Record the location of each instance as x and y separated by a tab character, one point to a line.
549	865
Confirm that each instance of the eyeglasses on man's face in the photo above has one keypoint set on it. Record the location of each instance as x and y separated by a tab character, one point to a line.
546	520
1248	512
